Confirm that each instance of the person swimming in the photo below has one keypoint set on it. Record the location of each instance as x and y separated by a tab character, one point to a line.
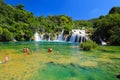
50	50
6	59
27	50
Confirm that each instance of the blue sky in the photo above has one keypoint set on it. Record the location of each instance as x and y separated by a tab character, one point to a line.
77	9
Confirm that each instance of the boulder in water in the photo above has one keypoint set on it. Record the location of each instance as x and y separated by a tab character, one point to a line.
118	76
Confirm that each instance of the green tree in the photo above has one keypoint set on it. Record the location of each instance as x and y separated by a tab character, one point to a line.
79	24
1	31
88	45
6	36
108	28
20	6
115	10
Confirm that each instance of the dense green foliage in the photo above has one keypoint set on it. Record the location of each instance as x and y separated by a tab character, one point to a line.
88	45
108	27
51	24
115	10
17	23
82	24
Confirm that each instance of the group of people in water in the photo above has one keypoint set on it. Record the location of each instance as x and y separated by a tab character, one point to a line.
28	51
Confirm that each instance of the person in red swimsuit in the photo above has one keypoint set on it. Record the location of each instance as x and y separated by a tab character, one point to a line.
50	50
25	50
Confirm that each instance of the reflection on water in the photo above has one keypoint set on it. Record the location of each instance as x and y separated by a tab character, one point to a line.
6	67
37	46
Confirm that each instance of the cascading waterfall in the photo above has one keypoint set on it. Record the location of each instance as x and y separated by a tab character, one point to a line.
66	37
60	37
49	38
102	42
37	37
14	40
72	38
42	37
77	36
55	37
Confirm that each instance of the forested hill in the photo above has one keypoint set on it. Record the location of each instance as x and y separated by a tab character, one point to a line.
17	23
108	27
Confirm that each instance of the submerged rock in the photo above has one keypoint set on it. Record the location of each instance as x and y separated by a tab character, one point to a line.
51	62
73	65
118	76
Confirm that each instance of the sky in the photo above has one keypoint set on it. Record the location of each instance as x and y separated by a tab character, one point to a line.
77	9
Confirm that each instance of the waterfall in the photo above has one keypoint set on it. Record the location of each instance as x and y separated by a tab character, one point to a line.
37	37
66	38
77	35
49	38
42	37
81	40
102	42
77	38
14	40
60	37
72	38
55	37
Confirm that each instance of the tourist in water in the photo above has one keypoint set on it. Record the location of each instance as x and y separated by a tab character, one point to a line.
6	59
29	51
25	50
50	50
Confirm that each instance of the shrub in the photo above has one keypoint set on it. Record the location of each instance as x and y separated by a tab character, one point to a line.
88	45
6	35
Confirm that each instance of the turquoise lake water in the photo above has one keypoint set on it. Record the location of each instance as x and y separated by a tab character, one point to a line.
54	71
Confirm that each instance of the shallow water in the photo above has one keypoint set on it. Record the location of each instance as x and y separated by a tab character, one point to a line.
58	47
58	72
76	64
